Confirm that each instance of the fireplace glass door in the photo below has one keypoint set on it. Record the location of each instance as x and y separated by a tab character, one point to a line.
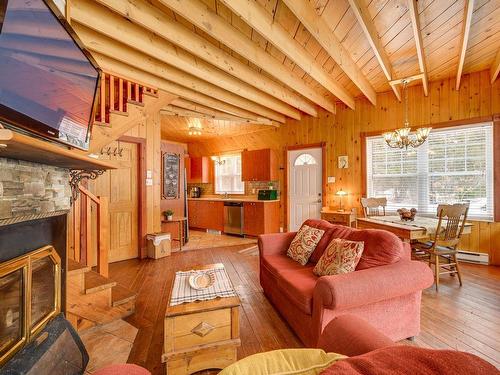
12	307
30	296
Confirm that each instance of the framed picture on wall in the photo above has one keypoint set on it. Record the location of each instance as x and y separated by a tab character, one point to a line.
170	176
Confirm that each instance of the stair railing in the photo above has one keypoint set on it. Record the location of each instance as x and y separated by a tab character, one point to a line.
81	230
115	93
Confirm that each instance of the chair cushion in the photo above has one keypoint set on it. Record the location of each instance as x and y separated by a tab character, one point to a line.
304	243
283	362
341	256
411	360
298	286
381	247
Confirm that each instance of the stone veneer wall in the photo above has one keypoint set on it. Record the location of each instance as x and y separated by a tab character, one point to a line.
28	189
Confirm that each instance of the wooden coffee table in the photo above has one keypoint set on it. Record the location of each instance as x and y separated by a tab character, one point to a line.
201	335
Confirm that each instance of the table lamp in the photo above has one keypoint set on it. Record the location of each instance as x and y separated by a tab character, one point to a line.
341	193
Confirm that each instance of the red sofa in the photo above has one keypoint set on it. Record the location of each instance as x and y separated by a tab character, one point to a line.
385	290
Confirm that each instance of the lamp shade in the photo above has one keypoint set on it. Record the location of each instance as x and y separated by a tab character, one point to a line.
341	193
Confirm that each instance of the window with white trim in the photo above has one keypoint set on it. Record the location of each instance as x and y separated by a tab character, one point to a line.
455	165
228	175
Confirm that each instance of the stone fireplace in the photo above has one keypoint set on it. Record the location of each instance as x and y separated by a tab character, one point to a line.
34	336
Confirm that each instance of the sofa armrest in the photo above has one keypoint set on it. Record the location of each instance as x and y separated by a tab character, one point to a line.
275	243
372	285
351	336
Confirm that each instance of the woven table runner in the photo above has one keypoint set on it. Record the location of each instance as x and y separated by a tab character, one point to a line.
427	223
182	291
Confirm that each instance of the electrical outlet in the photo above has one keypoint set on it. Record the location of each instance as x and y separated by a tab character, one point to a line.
149	182
331	179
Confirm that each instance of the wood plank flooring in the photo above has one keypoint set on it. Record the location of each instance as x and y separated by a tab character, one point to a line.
466	318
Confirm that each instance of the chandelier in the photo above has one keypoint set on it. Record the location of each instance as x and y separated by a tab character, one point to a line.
194	128
401	138
218	160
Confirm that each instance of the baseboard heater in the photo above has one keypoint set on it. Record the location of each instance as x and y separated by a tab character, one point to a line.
473	257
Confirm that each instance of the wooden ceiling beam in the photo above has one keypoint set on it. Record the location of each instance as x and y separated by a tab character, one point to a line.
154	20
195	107
319	29
204	18
172	110
261	21
128	71
114	26
415	23
365	21
105	46
469	8
495	68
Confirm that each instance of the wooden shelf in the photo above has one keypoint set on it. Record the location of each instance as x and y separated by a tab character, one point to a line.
23	147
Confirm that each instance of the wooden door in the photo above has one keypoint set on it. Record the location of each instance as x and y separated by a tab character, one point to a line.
121	187
304	186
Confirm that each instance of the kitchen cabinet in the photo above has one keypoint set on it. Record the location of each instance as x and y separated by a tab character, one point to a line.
261	218
259	165
198	169
206	214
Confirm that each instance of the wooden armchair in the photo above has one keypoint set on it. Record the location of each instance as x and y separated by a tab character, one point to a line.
442	249
374	206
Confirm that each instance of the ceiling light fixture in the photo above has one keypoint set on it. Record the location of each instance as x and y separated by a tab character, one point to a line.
194	128
401	138
218	160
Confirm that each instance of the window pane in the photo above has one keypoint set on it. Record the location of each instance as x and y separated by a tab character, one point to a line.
454	166
228	175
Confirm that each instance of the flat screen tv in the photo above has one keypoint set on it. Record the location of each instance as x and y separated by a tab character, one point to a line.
48	81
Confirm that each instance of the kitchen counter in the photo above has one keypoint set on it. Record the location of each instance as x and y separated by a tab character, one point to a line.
232	199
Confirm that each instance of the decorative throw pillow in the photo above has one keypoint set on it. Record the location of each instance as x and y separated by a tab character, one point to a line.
304	243
284	362
340	256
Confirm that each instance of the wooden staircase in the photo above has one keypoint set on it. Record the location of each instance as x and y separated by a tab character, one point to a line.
121	105
94	299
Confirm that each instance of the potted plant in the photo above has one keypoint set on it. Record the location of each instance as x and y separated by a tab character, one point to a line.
169	214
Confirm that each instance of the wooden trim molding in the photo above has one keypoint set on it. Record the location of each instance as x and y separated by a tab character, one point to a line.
496	167
285	177
141	150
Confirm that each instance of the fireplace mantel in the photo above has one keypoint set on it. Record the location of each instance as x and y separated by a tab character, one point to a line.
23	147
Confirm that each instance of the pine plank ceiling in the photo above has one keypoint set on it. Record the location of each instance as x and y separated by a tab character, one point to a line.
278	59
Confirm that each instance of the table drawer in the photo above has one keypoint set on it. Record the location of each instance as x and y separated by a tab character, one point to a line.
336	218
186	331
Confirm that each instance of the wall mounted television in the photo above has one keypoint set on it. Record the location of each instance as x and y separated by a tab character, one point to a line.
48	81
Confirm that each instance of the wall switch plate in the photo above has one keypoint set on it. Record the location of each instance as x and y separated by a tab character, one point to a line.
149	173
149	182
331	179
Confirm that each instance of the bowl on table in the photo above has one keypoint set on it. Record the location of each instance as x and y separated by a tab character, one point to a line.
407	215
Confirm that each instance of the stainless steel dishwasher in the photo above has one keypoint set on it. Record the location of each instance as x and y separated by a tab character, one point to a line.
233	218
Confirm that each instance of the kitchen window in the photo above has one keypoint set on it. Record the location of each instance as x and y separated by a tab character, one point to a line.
455	165
228	175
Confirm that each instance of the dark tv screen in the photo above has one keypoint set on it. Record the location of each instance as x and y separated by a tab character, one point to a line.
47	82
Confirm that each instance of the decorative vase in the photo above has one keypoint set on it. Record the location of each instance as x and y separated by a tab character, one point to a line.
170	217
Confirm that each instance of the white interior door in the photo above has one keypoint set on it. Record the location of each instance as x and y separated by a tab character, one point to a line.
304	186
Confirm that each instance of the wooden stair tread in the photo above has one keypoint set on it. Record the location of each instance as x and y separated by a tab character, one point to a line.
117	112
75	267
101	123
121	295
141	104
95	282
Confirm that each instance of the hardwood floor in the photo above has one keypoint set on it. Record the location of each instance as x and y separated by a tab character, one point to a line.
465	318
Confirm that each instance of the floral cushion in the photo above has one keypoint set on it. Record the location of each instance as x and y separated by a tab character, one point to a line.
340	256
304	243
